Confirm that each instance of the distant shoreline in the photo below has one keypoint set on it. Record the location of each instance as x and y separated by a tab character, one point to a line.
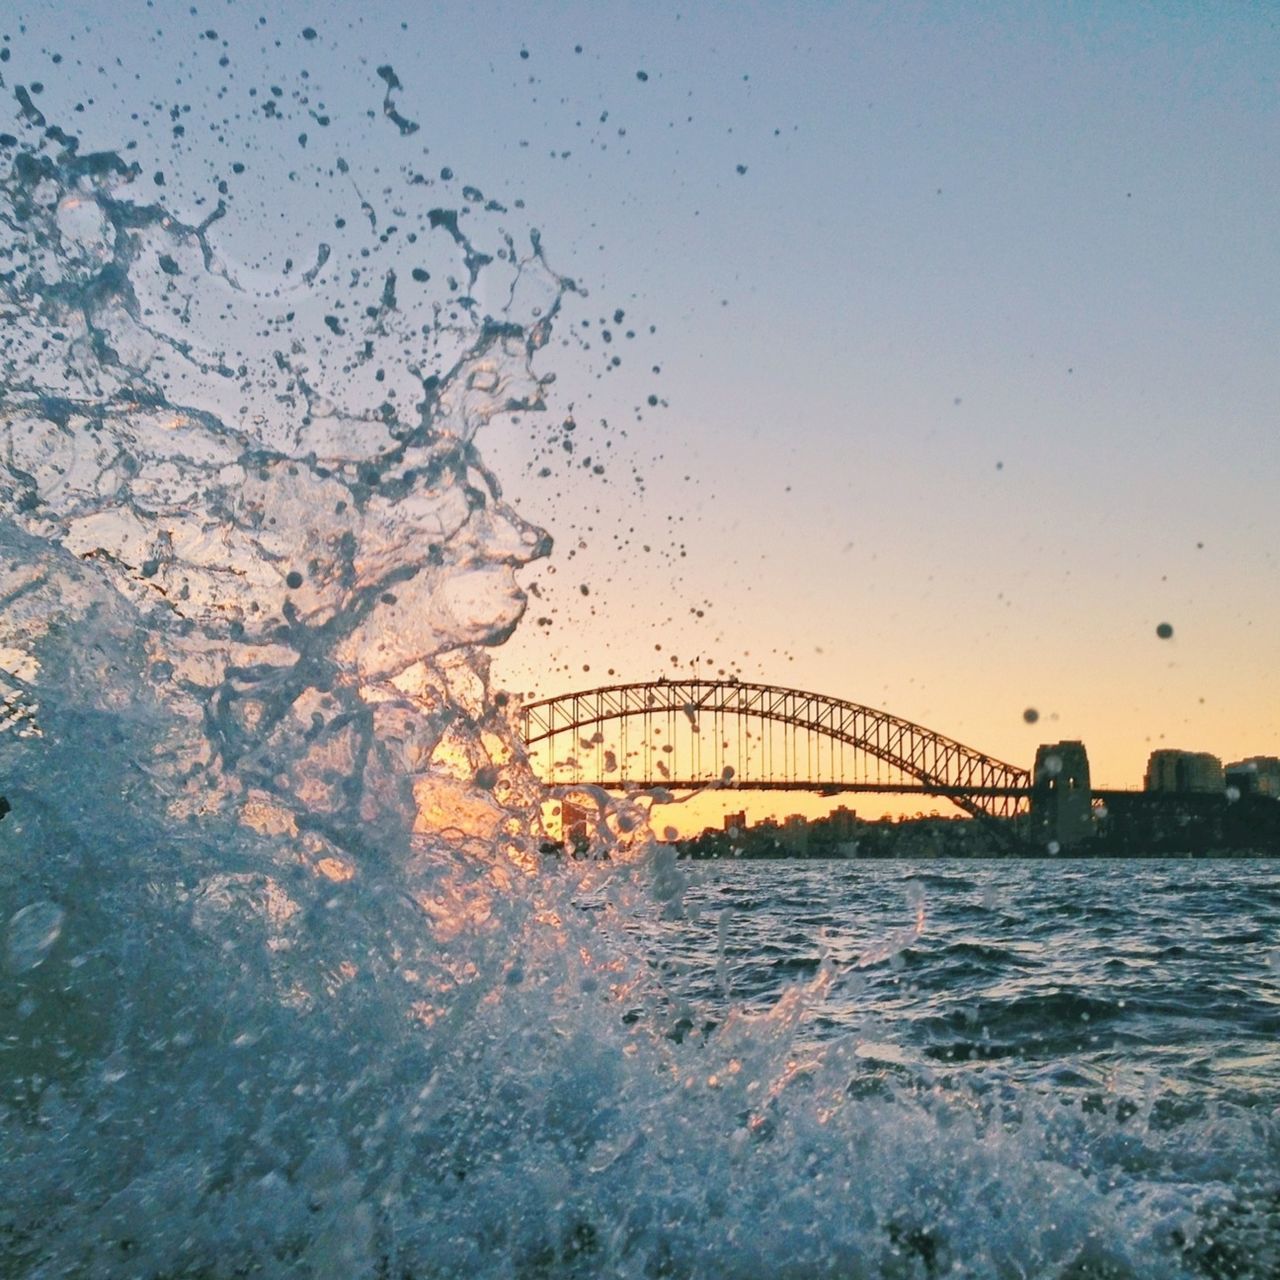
1224	855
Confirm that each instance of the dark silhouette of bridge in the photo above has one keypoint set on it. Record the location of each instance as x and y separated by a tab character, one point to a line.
687	734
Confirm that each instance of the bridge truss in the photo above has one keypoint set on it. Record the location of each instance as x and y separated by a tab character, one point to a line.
686	734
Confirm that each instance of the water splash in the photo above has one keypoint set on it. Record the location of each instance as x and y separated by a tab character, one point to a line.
263	780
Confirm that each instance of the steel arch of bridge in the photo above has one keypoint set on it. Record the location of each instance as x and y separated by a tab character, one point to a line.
940	766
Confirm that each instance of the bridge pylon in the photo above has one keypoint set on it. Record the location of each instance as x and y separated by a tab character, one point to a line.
1061	798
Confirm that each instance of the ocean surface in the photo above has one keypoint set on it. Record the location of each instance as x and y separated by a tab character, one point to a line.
1083	976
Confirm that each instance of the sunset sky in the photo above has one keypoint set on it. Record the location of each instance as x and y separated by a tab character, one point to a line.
962	324
972	376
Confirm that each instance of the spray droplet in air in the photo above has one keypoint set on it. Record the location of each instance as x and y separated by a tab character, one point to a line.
1031	715
32	931
1164	631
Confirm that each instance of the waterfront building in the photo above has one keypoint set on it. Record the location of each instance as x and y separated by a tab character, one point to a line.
794	835
1184	772
1255	776
842	823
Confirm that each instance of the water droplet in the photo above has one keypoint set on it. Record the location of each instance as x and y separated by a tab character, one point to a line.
1164	630
1031	715
32	931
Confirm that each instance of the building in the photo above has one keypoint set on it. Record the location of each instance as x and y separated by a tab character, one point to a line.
1184	772
842	823
1256	776
794	835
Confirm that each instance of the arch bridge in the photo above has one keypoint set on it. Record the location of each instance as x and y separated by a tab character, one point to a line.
683	735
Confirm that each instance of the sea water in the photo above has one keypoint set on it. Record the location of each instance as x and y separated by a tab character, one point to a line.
1101	980
290	988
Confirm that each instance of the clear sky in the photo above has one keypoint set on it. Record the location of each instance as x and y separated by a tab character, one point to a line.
962	323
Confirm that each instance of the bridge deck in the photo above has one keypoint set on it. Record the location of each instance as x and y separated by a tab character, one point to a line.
817	788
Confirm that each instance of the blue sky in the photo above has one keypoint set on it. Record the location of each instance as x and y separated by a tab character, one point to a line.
965	320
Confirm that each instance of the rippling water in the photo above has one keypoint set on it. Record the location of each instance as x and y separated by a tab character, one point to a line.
1079	975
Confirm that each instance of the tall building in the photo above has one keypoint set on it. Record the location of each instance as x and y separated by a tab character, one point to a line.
842	823
794	835
1256	776
1185	772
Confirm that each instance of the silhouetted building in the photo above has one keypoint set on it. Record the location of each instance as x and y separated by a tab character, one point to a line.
1256	776
795	833
1061	799
735	823
1186	772
842	824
